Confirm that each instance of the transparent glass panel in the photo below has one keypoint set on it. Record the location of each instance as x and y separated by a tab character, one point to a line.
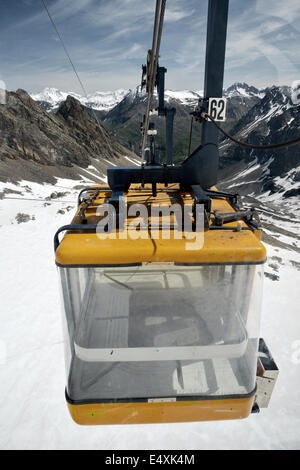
161	330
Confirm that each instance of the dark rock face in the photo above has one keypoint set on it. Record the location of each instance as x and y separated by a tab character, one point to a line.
35	144
292	193
38	145
238	87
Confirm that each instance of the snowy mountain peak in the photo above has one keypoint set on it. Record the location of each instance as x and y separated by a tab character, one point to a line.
243	90
104	100
185	97
53	96
100	100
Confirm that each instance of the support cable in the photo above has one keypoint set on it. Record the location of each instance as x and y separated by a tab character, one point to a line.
157	34
252	146
149	97
191	136
75	71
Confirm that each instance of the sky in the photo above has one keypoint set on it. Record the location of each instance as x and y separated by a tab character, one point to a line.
108	40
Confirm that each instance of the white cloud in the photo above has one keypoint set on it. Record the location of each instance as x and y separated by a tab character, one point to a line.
135	51
111	37
287	10
177	15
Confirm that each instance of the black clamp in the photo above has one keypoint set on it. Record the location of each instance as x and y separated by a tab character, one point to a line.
227	217
202	108
200	197
143	79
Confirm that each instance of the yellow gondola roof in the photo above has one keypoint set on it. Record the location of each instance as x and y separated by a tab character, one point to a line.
222	246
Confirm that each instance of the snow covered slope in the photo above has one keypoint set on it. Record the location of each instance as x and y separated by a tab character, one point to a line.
33	414
185	97
273	120
53	96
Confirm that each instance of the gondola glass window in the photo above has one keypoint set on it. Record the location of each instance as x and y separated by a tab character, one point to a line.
161	330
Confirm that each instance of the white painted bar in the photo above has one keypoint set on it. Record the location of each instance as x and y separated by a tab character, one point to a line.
174	353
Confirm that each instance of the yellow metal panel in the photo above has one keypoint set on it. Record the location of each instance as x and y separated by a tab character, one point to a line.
166	412
220	246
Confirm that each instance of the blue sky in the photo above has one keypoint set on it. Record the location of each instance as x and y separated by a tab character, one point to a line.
108	40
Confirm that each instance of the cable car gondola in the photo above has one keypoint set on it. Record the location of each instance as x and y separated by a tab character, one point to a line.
157	330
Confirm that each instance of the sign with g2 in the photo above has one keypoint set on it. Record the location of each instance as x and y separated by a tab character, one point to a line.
217	108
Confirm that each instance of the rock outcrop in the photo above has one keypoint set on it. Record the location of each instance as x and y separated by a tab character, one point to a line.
37	145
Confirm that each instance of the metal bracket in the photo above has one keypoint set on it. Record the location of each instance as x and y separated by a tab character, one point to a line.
160	83
224	218
200	197
202	107
267	374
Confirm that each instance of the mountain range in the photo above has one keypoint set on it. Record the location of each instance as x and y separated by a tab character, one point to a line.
55	134
107	100
121	112
123	121
36	145
51	98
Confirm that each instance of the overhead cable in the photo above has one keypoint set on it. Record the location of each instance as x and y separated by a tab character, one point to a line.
75	71
252	146
157	34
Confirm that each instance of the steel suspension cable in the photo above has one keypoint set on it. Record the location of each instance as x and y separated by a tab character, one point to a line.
74	69
252	146
191	136
157	34
152	56
154	39
160	28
